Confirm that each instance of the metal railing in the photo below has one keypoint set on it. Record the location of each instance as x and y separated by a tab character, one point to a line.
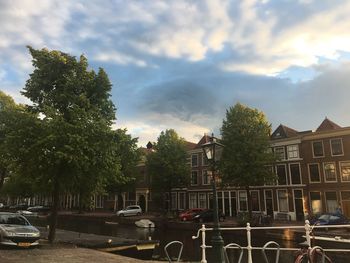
308	238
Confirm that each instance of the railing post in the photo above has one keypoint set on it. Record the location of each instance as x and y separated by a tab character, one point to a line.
307	233
203	246
249	243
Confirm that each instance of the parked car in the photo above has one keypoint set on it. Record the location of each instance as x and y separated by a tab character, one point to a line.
330	219
131	210
207	216
188	215
18	207
39	209
15	230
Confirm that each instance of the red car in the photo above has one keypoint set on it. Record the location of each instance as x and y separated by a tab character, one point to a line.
188	215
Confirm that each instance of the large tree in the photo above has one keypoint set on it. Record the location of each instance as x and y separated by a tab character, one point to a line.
67	144
167	164
246	157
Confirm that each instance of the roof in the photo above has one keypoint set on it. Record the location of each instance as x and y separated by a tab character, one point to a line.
328	125
283	131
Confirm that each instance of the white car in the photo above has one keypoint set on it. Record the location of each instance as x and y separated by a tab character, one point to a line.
15	230
131	210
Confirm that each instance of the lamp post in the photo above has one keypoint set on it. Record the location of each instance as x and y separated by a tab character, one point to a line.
212	151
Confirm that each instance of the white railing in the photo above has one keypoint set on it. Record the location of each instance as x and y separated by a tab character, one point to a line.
308	236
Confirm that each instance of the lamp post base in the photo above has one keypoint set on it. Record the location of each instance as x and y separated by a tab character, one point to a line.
217	242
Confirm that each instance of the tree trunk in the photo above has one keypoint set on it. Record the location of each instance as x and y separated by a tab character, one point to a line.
54	211
2	176
249	202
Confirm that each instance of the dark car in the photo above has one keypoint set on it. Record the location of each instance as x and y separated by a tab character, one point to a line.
188	215
39	209
330	219
208	216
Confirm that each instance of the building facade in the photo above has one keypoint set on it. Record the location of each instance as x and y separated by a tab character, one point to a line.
313	177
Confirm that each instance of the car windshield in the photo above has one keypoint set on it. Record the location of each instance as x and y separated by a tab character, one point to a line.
324	217
13	220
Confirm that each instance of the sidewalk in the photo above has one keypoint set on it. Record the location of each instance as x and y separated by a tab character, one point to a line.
60	253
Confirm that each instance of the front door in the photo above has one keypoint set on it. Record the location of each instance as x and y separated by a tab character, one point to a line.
269	203
299	206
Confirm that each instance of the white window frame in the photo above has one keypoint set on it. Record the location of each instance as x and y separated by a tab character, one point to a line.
278	203
239	201
324	172
286	173
205	174
205	199
179	195
290	174
194	171
284	152
195	198
174	201
313	152
340	171
289	151
192	155
319	173
273	204
251	191
342	148
310	200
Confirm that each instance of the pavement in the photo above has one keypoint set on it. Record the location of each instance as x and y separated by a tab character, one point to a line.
61	253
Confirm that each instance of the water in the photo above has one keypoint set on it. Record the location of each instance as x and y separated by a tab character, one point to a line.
191	250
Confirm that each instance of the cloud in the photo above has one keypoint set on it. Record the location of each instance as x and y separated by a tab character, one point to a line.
116	57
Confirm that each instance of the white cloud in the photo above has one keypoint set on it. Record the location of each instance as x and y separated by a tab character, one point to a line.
147	128
116	57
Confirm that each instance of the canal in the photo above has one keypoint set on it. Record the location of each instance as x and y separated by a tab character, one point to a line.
191	250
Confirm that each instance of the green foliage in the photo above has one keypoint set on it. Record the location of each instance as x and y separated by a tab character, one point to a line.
246	156
167	165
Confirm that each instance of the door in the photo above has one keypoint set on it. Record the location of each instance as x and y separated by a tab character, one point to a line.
142	203
269	203
298	204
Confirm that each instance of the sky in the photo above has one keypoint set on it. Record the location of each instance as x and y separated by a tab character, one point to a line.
181	64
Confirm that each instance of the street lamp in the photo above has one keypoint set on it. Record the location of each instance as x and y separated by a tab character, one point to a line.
212	151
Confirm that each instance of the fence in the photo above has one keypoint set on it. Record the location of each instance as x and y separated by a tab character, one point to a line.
308	236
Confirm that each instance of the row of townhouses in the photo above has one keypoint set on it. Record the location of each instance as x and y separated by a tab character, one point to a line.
313	174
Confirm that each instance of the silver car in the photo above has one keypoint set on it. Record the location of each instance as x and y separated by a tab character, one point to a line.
15	230
130	211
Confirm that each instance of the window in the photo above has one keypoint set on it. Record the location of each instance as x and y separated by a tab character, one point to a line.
329	172
182	201
193	200
293	151
281	174
243	206
317	149
295	173
194	178
345	171
205	160
282	197
99	201
331	202
205	177
316	204
194	160
254	195
336	147
202	200
173	201
314	173
279	153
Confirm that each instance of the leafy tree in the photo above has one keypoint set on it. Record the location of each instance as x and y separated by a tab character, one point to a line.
7	110
246	156
66	143
167	165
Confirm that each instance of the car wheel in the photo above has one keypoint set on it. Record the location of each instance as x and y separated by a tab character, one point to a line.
122	215
138	214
